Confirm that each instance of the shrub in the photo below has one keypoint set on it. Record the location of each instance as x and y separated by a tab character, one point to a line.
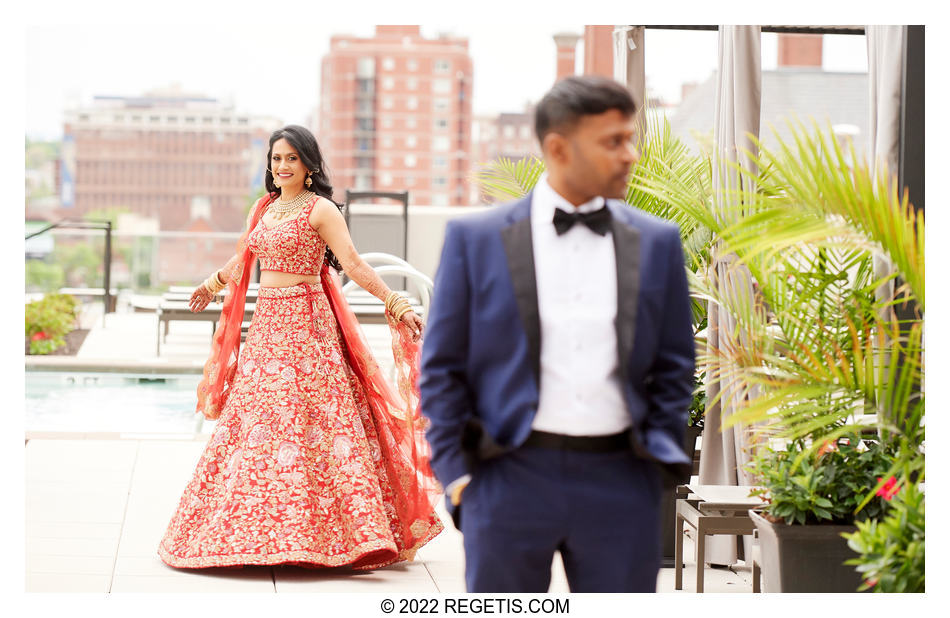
48	320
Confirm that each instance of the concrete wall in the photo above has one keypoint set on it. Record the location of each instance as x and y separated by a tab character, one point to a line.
378	227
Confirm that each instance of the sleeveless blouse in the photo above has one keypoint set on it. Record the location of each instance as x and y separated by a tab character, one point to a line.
291	246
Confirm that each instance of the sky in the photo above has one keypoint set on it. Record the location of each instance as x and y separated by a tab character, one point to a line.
514	63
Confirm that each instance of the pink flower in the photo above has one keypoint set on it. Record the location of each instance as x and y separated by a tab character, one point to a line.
40	336
889	489
287	453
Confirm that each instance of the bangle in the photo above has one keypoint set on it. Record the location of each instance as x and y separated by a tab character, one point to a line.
396	304
213	283
399	308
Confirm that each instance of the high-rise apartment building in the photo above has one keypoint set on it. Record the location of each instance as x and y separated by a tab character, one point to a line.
167	155
396	114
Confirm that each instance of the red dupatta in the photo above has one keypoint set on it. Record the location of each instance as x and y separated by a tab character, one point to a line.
214	388
396	415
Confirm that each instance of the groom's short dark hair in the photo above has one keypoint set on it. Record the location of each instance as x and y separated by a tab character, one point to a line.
576	96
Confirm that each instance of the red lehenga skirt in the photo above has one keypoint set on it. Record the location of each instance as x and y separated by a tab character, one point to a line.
297	470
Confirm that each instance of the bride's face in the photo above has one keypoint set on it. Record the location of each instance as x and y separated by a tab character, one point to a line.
289	171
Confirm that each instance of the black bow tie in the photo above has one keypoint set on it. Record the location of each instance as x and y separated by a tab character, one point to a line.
598	221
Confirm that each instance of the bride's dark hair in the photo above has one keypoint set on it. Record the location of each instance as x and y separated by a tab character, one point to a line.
306	146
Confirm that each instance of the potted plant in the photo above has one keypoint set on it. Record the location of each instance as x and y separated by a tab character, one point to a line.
811	498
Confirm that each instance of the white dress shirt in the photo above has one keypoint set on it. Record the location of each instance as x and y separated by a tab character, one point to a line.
576	275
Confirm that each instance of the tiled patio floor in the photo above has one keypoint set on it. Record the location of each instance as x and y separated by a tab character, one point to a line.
96	508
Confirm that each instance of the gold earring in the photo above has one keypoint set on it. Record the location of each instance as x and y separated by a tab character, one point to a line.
309	182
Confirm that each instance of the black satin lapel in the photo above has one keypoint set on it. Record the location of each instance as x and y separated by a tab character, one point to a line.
518	247
627	248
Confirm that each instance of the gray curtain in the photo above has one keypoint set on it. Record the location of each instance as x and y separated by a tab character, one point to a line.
725	452
629	61
885	76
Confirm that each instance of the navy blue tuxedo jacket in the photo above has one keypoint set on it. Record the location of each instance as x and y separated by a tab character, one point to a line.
481	353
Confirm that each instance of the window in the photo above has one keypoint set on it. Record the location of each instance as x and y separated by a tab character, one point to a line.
440	182
413	103
410	160
365	68
388	83
442	66
525	132
387	142
441	123
387	122
440	199
441	86
440	143
389	64
441	105
412	65
509	131
411	141
440	162
387	102
386	179
412	83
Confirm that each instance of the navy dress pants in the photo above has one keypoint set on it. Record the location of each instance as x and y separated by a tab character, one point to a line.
599	510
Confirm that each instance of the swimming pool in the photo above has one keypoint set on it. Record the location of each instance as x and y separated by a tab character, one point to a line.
109	402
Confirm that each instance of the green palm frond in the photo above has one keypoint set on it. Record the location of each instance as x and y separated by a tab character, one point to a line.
504	179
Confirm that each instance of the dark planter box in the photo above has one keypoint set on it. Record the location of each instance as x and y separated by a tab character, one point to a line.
797	558
668	500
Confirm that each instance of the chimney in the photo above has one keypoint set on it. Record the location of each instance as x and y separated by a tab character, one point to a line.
599	51
566	48
799	50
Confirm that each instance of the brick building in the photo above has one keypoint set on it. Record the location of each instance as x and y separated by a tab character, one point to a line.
396	114
177	162
167	155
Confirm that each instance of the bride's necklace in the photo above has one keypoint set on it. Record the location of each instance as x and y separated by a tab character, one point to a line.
281	208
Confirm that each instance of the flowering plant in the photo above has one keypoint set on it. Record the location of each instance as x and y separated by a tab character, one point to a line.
48	320
892	548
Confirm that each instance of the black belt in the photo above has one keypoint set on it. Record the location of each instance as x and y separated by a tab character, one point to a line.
590	444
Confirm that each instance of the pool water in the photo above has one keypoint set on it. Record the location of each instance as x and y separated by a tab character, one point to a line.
103	402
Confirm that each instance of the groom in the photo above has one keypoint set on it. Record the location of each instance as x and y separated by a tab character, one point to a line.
558	364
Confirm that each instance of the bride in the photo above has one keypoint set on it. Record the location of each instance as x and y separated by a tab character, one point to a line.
315	459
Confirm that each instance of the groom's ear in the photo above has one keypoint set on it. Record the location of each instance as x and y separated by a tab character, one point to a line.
555	148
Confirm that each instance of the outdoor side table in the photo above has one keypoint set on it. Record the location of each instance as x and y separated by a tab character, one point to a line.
711	509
